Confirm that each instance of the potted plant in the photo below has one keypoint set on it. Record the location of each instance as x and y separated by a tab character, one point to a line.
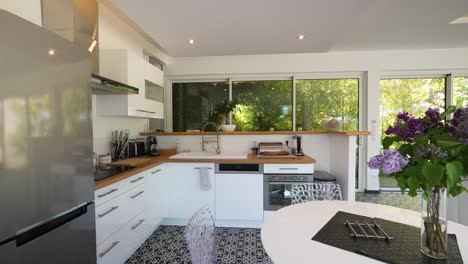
428	154
220	114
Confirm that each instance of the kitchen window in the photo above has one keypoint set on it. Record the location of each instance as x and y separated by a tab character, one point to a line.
191	103
327	104
264	105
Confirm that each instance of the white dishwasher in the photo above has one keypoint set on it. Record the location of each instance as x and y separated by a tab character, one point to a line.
239	192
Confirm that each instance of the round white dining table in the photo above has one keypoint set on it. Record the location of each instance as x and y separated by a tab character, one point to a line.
287	233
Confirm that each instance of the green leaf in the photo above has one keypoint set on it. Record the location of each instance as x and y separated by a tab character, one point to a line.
387	142
447	144
454	172
421	140
401	183
457	190
445	137
448	111
436	131
413	183
455	150
433	173
406	149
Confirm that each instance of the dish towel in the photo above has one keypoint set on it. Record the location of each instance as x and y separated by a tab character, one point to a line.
205	184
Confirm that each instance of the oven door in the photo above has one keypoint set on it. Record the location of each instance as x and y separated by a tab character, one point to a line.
277	195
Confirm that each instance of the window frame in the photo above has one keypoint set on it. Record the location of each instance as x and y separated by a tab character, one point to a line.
362	124
448	75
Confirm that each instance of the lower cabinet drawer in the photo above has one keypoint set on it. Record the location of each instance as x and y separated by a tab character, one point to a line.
121	245
114	214
288	168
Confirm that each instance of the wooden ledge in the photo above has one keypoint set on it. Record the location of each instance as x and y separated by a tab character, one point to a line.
305	132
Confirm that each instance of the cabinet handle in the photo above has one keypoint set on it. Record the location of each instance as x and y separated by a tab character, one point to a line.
156	171
136	195
107	212
138	224
288	168
107	193
146	111
139	178
199	168
102	254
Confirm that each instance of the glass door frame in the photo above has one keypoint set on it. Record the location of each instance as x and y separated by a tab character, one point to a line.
448	75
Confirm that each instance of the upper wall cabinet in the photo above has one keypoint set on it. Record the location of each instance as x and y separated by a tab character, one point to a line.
134	70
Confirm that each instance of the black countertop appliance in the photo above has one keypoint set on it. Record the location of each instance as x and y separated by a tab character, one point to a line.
152	146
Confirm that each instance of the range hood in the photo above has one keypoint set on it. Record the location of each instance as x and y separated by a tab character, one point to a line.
101	85
77	21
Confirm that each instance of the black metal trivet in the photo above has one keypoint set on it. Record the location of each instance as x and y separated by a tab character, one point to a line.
402	249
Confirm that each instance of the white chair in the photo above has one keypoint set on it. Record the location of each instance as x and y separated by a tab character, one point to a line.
315	192
201	237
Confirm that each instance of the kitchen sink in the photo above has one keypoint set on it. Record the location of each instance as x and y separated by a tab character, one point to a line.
209	155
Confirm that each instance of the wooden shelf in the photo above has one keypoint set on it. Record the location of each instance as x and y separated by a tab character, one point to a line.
305	132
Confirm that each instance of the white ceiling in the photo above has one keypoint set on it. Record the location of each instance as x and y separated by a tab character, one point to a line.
238	27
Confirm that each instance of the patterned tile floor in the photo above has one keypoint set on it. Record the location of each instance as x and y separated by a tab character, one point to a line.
167	245
236	245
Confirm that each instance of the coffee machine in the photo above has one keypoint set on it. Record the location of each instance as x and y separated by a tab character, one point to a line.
152	146
298	149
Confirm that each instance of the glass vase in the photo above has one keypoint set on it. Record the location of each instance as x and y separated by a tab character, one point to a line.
434	224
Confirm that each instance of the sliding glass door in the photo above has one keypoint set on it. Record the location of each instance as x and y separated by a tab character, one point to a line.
413	95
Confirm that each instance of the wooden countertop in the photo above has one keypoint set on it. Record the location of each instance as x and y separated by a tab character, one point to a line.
145	163
305	132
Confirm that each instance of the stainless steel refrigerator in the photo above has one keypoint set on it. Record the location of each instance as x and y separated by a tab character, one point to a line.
46	166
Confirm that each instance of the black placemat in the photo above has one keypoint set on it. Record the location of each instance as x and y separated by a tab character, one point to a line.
402	249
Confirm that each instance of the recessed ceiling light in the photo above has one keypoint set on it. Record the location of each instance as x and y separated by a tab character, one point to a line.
51	52
300	37
191	41
460	20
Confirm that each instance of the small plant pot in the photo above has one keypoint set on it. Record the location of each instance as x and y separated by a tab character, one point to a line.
228	128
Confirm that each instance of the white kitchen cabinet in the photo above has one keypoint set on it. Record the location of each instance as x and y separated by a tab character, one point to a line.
114	214
182	192
153	74
121	245
239	197
289	168
154	200
128	68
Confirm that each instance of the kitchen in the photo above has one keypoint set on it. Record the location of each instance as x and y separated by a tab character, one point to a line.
114	168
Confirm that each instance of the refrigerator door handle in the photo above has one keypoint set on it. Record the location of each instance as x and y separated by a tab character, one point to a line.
37	230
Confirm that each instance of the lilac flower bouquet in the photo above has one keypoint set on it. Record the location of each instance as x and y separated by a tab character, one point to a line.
428	154
432	151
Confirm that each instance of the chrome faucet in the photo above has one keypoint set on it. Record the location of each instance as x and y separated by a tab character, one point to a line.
206	139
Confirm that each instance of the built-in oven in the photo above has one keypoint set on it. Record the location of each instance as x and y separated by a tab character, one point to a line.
277	189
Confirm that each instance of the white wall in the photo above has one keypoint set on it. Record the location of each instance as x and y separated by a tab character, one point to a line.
27	9
115	32
374	65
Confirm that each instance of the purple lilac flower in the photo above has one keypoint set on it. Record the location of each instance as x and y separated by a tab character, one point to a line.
376	162
405	116
389	162
459	125
430	149
407	127
434	117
